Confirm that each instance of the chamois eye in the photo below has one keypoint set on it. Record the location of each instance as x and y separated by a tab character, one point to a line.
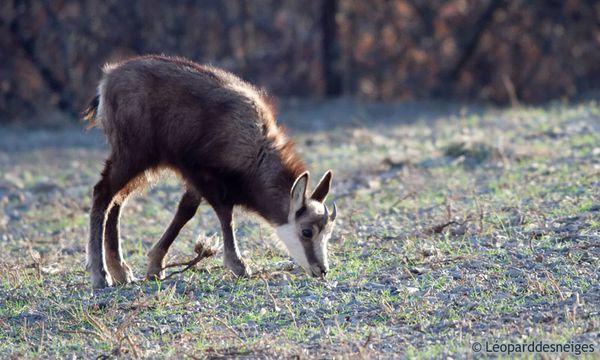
307	233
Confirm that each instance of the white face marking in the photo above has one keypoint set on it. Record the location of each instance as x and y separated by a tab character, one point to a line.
287	233
320	246
306	216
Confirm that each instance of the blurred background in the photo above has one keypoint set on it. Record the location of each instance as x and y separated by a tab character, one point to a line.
504	52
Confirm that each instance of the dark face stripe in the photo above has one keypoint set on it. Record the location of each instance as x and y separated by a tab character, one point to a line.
301	211
309	252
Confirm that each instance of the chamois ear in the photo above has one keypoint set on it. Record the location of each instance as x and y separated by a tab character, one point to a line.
298	193
322	189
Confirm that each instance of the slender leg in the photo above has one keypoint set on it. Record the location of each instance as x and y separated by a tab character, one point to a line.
215	194
232	259
114	177
118	269
185	211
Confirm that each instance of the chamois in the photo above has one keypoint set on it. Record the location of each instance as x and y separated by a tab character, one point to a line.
219	134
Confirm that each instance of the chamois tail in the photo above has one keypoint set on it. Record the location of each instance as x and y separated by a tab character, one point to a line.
91	112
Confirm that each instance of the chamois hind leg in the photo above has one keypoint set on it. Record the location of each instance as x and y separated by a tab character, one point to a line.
118	269
114	177
185	211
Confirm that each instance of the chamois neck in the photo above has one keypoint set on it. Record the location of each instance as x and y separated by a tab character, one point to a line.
277	174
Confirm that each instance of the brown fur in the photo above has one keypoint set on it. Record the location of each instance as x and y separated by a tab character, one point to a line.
200	121
218	132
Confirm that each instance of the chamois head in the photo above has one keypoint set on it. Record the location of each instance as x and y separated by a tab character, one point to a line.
309	225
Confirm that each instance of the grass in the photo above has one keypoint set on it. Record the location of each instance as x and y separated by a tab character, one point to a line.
476	225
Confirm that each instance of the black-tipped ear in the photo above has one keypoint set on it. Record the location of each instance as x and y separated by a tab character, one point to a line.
298	193
322	189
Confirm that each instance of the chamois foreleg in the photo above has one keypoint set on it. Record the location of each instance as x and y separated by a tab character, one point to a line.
232	257
185	211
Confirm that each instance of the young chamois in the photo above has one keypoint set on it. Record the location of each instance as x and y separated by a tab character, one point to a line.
219	134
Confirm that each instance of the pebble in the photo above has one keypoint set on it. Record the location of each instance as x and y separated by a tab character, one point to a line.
411	290
29	317
418	270
456	275
375	286
595	207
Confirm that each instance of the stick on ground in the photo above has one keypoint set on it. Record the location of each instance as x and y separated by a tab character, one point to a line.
201	253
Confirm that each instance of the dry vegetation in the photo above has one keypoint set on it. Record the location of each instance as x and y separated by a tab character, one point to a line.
499	50
455	225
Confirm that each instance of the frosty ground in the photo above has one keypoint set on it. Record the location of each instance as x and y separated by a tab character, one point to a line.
456	224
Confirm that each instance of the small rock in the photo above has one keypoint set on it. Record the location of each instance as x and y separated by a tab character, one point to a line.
17	197
29	317
458	230
428	251
44	187
331	284
14	180
374	184
539	258
411	290
594	207
514	273
518	219
418	270
341	319
375	286
571	228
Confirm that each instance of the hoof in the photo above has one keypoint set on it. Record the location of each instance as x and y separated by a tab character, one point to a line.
100	281
155	273
238	267
121	274
156	259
